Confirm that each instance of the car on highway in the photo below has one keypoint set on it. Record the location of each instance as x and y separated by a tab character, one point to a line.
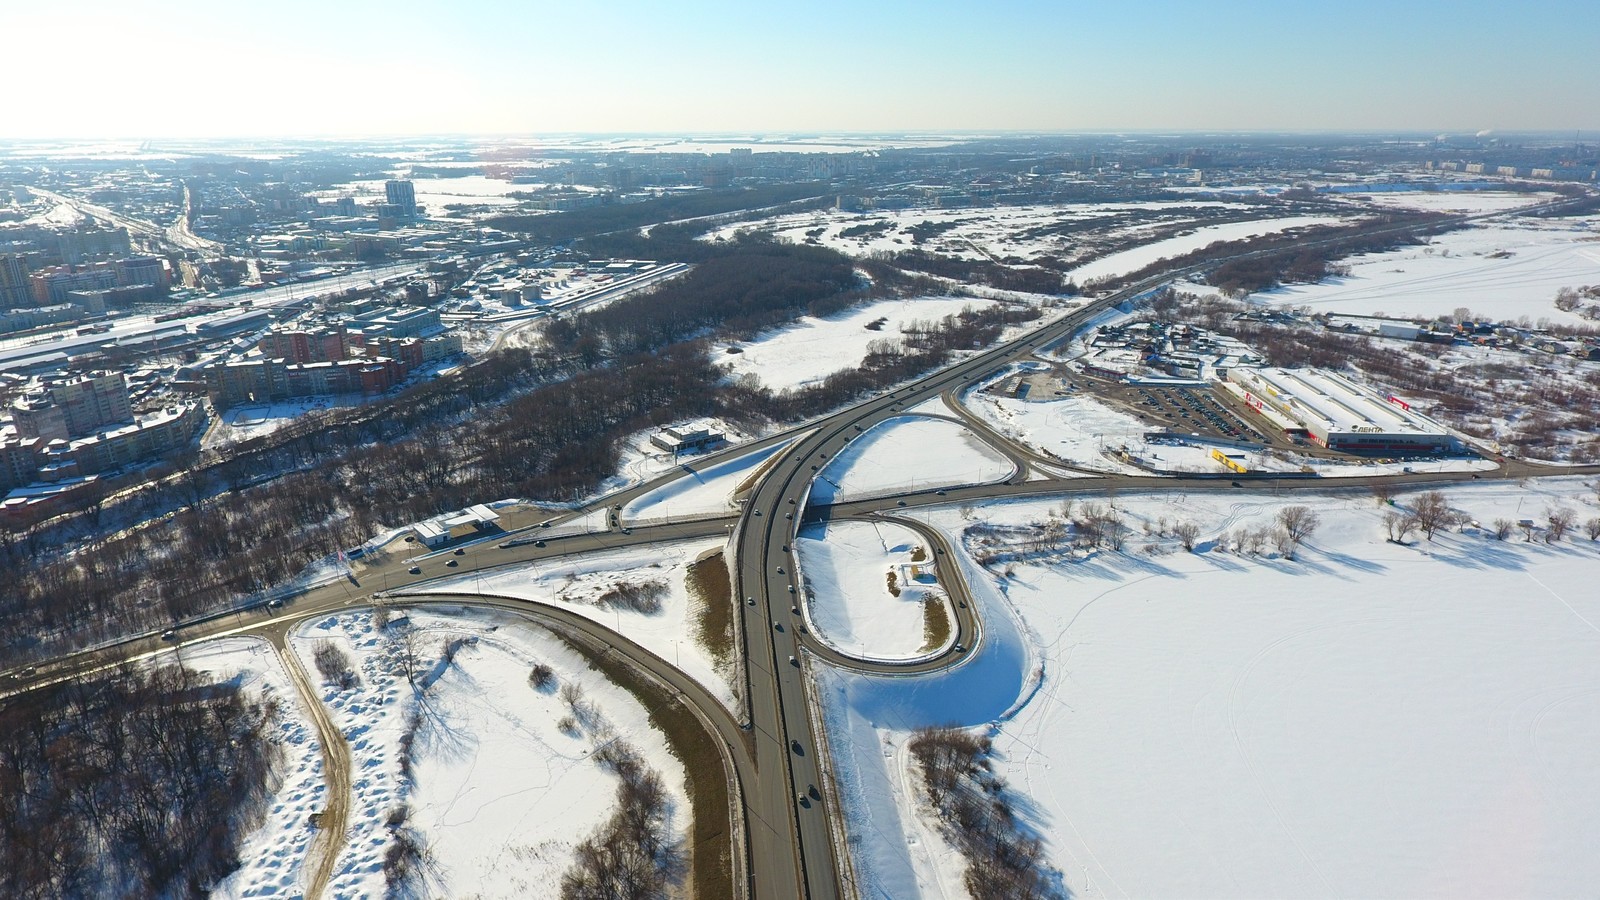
451	564
169	635
538	543
793	661
415	570
461	551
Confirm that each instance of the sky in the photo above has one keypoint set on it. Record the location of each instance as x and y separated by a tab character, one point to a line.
304	68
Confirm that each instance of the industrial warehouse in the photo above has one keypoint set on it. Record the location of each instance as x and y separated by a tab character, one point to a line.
1335	412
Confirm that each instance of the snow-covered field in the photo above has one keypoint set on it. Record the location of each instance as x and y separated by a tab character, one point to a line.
577	582
1504	271
497	791
972	233
810	349
1369	719
273	856
1468	202
851	605
707	492
908	453
1125	261
436	193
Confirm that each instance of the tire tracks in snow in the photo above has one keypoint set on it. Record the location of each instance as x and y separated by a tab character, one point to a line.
333	821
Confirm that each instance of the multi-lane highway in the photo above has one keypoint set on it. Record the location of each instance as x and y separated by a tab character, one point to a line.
771	752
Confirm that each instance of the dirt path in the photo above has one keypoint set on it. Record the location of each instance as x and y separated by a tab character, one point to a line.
334	818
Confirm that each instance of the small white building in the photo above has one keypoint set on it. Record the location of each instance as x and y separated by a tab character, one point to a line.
440	530
682	439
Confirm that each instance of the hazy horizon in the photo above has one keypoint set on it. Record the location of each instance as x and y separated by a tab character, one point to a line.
186	69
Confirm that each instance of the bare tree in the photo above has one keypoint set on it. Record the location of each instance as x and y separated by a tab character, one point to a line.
1561	519
1432	513
1502	528
1187	533
1592	528
1383	492
1298	521
1399	526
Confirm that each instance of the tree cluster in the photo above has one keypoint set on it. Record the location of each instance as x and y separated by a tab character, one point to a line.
975	814
752	285
1029	279
563	227
140	783
629	858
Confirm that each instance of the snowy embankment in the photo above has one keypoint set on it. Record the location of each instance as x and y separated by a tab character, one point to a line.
909	453
1503	271
496	778
1369	719
867	586
273	857
582	585
810	349
704	491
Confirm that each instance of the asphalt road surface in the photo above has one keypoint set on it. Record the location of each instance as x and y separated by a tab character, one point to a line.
771	756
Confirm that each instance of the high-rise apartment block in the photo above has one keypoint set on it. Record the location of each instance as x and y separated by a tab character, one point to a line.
402	198
70	409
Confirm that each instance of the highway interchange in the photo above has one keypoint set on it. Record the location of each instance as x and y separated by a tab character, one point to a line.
784	812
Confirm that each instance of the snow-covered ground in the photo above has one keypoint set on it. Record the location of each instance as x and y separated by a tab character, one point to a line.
1074	428
810	349
1025	232
642	460
241	423
273	856
1125	261
708	491
908	453
577	582
1504	271
1467	202
1369	719
497	792
852	604
435	193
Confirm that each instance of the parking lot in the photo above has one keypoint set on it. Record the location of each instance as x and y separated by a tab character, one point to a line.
1182	408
